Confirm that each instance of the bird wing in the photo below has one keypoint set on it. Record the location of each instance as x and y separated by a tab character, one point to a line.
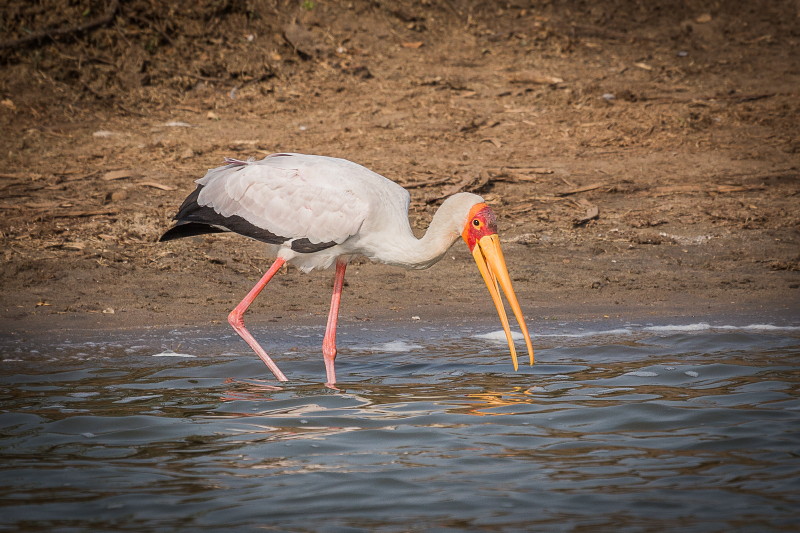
314	199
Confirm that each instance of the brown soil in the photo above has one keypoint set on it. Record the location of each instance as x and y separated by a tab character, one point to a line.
642	156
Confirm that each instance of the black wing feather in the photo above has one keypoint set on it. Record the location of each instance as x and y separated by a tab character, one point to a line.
195	219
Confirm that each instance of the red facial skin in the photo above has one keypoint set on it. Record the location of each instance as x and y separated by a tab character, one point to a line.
480	223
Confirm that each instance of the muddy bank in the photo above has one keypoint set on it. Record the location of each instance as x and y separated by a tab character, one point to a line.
644	161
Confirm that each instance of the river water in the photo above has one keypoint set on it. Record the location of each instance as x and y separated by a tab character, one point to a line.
690	427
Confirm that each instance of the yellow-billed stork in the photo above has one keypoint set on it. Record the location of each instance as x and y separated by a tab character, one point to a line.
315	211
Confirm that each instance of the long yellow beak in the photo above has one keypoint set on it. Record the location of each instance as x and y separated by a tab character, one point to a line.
492	265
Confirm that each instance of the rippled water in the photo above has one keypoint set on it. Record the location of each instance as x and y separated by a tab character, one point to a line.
636	429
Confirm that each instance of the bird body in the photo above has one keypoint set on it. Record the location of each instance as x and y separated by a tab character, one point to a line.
312	209
316	212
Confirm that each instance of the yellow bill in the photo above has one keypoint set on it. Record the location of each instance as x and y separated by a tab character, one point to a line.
492	265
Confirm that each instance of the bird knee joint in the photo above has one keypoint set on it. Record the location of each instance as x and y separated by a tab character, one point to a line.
235	320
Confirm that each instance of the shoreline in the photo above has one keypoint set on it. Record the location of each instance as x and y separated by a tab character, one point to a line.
560	318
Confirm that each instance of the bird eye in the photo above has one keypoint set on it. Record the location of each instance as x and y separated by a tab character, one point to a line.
476	223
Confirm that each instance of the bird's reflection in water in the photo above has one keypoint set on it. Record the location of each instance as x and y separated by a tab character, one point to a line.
374	401
251	389
259	390
483	403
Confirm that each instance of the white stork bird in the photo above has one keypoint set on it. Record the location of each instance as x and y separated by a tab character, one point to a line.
315	211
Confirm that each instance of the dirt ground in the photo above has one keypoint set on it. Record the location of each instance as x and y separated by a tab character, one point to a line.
643	157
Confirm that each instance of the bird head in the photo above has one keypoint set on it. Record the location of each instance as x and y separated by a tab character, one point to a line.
480	234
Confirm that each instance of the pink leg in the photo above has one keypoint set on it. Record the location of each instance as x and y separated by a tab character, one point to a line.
329	341
235	319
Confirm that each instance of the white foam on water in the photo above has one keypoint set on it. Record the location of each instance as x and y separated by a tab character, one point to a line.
617	331
397	347
691	373
770	327
170	353
705	326
499	336
700	326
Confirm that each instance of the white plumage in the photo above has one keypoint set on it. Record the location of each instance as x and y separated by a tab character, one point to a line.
323	199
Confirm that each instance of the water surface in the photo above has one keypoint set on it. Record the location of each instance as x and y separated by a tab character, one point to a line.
639	428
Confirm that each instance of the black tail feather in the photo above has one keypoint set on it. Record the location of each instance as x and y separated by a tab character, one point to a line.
189	205
189	229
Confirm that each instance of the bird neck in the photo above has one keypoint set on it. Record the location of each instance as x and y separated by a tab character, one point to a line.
444	229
